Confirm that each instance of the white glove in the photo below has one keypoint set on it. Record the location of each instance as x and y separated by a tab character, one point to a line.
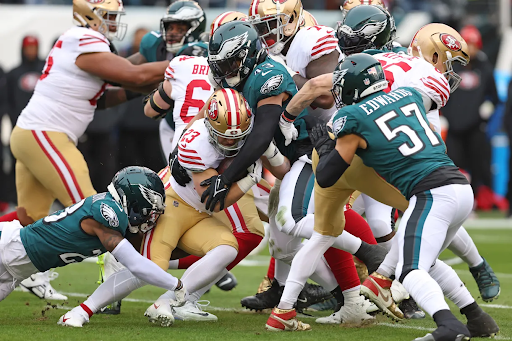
281	61
256	169
181	296
289	131
486	110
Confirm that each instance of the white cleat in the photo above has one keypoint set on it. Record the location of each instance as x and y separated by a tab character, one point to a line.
160	313
192	311
352	312
39	285
73	319
399	292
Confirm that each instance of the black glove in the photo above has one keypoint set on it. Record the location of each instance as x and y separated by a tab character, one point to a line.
179	173
218	188
320	138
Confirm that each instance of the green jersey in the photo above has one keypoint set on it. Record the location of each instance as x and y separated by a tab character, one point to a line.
402	147
58	239
269	79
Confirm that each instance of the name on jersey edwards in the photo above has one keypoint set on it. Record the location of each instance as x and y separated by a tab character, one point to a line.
383	100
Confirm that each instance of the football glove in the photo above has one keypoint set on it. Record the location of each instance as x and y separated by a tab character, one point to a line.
177	171
320	138
218	188
289	131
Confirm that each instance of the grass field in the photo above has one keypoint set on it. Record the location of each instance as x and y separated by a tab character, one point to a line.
24	317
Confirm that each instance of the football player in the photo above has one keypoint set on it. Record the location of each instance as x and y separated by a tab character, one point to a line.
48	164
187	224
92	226
401	70
440	197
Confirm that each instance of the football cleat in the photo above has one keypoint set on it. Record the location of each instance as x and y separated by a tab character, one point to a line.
73	318
480	324
39	285
487	282
447	332
311	294
410	309
111	309
353	312
330	304
264	285
193	311
285	320
265	300
160	313
377	289
227	282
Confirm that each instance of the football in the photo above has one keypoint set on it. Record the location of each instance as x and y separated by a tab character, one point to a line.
224	164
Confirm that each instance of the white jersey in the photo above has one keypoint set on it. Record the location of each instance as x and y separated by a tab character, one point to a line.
309	44
403	70
191	89
195	154
65	96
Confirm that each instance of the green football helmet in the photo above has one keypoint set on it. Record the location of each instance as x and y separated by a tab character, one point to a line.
141	193
183	11
233	52
197	49
365	27
356	77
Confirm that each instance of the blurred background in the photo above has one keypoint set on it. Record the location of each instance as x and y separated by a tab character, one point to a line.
477	121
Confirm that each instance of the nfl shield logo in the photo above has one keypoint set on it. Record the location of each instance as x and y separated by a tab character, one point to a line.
175	203
366	81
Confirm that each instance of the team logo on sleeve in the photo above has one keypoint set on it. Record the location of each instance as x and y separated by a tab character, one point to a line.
109	214
451	42
338	124
271	84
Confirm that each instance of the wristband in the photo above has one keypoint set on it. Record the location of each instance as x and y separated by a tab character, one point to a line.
131	94
246	183
273	155
164	96
288	117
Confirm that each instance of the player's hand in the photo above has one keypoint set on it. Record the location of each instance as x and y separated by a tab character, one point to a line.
289	131
181	295
178	172
321	140
218	188
255	171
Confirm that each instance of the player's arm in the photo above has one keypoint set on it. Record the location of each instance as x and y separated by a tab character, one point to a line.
137	59
111	67
114	96
320	66
124	252
237	190
275	162
314	88
160	102
333	161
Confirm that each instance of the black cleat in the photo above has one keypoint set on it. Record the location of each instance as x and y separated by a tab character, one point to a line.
311	294
480	324
411	309
111	309
227	282
371	255
448	328
268	299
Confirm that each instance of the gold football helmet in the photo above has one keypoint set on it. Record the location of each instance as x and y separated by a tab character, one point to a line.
349	4
229	120
226	17
309	20
441	45
103	16
276	21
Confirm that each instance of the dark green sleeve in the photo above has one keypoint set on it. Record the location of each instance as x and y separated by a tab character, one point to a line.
109	214
149	44
273	82
345	123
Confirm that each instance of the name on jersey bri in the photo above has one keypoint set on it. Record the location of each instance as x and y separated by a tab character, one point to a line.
377	102
200	70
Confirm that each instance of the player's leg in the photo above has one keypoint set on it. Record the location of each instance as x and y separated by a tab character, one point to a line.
381	219
488	284
429	224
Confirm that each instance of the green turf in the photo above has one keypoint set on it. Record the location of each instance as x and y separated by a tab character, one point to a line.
24	317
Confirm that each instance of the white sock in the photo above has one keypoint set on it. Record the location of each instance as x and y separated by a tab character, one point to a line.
196	295
387	244
324	276
464	247
425	291
111	265
173	264
345	241
205	270
450	283
304	265
116	287
351	294
281	272
388	266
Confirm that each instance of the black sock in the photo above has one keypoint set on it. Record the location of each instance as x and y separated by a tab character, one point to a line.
363	250
443	316
472	310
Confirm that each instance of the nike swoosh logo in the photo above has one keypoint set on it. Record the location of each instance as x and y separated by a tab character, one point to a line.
156	306
200	314
227	281
386	298
304	300
264	73
65	319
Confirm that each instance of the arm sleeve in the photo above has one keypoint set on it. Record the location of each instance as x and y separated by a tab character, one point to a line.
266	121
191	155
143	268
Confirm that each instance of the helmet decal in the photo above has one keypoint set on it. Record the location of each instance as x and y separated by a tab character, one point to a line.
95	2
337	76
109	214
213	112
151	196
450	41
230	46
367	31
271	84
